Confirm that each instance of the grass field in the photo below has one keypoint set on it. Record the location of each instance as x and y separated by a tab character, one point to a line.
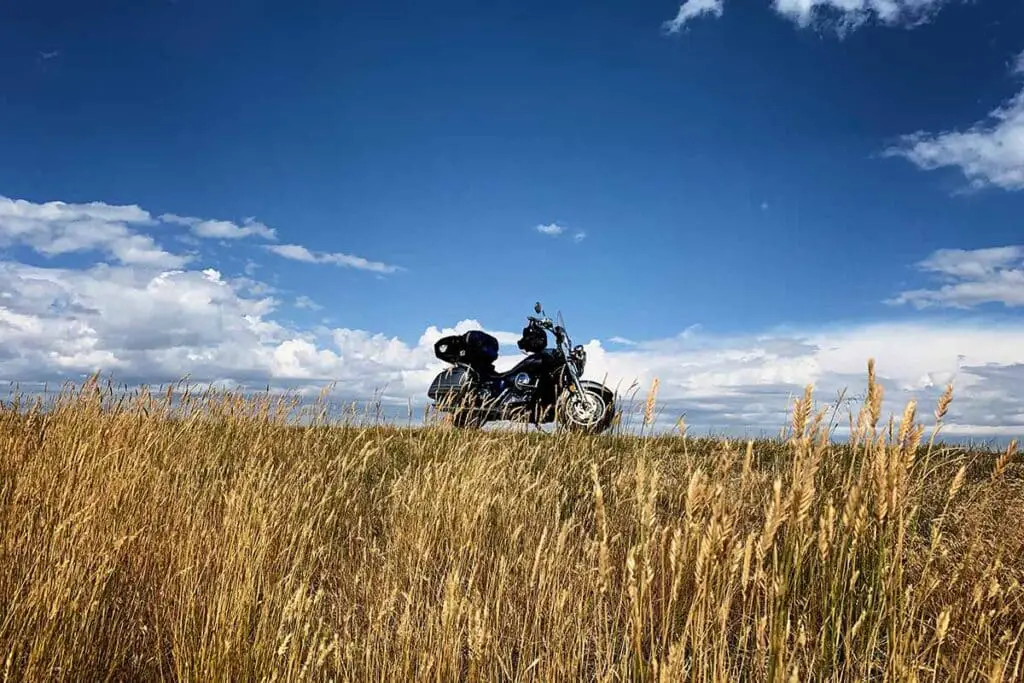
230	546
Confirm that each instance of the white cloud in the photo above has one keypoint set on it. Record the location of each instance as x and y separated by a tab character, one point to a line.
248	285
972	263
692	9
127	320
556	230
854	13
55	228
734	382
214	229
296	252
552	229
972	278
141	326
143	322
305	302
849	14
988	153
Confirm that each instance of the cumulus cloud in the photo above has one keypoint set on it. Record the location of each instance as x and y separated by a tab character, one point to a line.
556	230
748	382
118	231
144	322
145	326
55	228
296	252
304	301
692	9
972	278
854	13
130	321
989	153
214	229
847	14
552	229
622	340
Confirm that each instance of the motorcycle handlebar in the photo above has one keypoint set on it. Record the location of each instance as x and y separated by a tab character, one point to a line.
549	324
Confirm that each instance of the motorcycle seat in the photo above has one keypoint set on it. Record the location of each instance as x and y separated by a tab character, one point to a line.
489	373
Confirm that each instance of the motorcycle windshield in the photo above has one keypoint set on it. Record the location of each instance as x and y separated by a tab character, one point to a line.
560	321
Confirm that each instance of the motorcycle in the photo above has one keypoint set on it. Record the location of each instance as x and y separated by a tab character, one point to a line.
545	387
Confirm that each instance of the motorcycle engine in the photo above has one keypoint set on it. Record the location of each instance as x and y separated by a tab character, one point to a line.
523	382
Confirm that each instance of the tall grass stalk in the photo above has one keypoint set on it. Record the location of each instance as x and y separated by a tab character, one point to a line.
204	537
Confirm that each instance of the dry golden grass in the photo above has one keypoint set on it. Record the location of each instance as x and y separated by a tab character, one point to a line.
227	545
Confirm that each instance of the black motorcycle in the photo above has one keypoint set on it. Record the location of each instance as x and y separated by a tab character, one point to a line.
545	387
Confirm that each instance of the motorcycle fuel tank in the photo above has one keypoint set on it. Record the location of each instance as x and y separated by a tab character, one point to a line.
535	364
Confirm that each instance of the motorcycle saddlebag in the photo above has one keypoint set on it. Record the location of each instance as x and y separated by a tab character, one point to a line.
449	383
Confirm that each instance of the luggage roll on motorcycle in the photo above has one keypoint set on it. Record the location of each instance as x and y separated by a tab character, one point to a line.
547	386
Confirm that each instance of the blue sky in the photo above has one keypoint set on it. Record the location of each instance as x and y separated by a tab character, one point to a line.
747	170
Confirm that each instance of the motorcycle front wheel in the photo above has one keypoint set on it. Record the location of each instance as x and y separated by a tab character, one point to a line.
590	412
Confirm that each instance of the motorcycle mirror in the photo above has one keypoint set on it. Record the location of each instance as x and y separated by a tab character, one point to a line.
536	308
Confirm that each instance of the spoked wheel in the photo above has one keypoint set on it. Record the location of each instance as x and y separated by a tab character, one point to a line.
589	412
